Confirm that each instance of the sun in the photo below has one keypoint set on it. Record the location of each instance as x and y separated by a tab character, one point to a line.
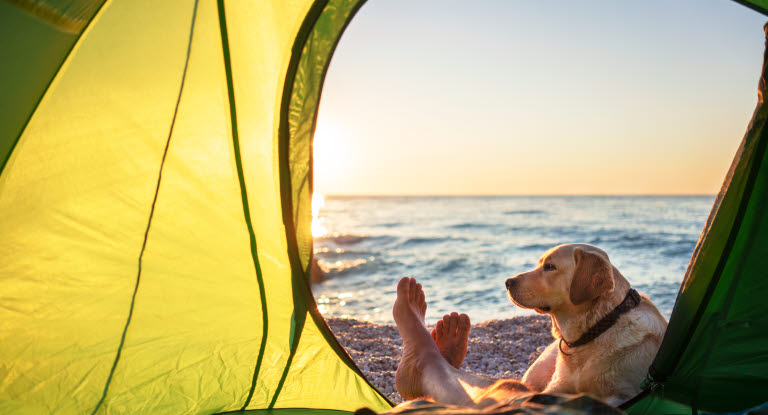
330	152
330	156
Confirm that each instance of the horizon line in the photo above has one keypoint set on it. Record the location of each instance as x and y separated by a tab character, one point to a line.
515	194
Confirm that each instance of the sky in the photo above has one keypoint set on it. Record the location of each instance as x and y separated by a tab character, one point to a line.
534	97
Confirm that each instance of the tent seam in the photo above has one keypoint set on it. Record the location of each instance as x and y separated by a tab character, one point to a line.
291	355
244	197
95	17
151	213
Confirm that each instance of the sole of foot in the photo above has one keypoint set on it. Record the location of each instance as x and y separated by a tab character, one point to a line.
418	346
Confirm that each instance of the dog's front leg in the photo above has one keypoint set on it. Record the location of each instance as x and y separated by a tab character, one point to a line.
539	375
563	378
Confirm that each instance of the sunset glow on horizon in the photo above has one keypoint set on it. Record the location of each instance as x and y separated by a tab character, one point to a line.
537	98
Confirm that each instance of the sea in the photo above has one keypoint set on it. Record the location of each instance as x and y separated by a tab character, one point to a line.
462	249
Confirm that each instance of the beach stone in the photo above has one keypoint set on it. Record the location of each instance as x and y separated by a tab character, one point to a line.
497	348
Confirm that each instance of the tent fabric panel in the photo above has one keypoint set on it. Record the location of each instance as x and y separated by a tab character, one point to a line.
317	380
34	51
75	198
196	330
259	39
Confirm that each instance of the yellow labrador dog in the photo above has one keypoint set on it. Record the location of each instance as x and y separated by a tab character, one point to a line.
606	333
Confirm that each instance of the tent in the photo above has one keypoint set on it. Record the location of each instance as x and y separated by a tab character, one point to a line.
155	244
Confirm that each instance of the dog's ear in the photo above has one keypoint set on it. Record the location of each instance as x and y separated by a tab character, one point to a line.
592	278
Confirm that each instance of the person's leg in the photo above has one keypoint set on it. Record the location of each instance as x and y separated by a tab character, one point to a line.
451	334
423	372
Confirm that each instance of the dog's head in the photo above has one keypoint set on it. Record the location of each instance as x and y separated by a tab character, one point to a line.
567	276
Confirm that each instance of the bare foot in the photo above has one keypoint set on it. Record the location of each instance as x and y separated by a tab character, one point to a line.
418	346
451	335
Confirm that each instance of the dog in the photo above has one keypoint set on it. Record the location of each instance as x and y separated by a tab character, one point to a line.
607	335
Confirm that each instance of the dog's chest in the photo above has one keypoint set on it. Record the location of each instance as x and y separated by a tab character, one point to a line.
580	370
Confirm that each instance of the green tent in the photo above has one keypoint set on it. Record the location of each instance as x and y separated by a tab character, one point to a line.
155	187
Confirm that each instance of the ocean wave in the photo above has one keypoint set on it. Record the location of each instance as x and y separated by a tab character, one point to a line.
537	247
662	293
338	268
624	240
331	251
360	272
472	225
452	265
348	239
353	239
469	297
682	248
429	240
558	231
525	212
342	239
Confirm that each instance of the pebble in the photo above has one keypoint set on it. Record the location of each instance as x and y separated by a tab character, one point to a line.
497	348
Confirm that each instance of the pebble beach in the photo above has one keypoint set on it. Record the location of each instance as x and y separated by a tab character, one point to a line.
497	348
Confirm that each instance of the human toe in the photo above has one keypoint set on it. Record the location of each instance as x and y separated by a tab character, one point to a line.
403	287
464	324
446	324
454	322
439	328
414	290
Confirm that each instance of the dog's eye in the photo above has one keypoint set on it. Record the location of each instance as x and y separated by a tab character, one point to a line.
549	267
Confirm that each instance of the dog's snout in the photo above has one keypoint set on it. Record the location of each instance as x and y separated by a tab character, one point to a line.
510	283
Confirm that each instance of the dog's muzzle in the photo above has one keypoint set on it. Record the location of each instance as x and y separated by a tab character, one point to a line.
511	283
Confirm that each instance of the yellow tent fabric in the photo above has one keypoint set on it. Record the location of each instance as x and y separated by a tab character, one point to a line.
154	200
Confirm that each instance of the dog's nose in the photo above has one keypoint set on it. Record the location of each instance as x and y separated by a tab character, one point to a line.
510	283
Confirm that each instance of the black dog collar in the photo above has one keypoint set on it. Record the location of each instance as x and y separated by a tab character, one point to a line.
631	300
